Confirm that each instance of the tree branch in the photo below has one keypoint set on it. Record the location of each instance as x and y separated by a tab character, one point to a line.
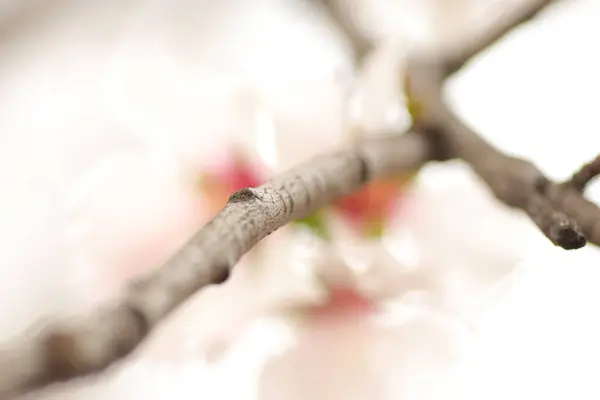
505	24
250	215
585	174
559	211
253	213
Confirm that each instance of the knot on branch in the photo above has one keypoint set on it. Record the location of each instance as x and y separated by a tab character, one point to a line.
243	195
220	274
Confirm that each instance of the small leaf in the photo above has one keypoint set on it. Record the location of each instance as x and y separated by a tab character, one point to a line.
414	108
316	224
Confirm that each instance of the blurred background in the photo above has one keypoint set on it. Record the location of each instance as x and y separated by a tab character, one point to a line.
124	124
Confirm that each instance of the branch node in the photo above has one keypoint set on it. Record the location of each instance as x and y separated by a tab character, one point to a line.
220	275
245	194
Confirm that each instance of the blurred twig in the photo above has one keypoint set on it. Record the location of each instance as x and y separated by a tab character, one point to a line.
585	174
253	213
559	211
340	13
556	209
23	15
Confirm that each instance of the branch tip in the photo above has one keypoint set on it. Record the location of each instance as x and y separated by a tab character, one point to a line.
569	236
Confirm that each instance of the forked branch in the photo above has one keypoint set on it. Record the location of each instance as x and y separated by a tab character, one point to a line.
559	210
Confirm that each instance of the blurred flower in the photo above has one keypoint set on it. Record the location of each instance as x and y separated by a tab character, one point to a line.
462	238
366	212
346	347
370	209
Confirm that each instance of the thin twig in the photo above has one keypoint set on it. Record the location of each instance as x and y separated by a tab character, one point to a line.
585	174
504	24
